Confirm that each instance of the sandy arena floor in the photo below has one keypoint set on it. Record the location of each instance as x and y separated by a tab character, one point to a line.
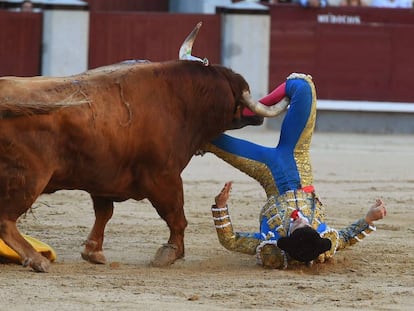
350	171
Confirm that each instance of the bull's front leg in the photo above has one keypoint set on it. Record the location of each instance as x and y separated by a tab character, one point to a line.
169	203
93	252
12	237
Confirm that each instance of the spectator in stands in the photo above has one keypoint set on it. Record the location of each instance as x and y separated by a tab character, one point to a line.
334	2
392	3
312	3
27	6
351	3
280	1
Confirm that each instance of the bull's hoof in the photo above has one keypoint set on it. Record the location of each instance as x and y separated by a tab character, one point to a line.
40	264
93	253
165	256
94	257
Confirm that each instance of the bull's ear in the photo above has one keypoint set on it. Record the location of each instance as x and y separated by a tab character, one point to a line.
187	46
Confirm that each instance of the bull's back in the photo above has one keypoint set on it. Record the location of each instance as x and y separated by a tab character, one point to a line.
103	130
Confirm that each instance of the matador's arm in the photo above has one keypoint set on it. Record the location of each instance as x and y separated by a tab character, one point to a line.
346	237
354	233
362	227
238	242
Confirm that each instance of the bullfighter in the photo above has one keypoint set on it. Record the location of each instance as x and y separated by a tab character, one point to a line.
292	221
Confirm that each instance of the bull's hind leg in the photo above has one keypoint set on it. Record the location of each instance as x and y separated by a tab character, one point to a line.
93	245
168	201
11	236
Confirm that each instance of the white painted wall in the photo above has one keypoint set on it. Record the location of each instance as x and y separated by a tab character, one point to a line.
197	6
65	42
245	48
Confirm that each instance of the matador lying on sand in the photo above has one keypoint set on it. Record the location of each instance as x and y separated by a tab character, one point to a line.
292	222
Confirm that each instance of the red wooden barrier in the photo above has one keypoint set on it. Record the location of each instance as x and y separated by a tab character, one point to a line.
20	43
116	36
128	5
352	53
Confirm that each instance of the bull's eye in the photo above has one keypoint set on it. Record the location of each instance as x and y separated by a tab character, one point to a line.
237	108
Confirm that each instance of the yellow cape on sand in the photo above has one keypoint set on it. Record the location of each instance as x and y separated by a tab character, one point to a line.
7	254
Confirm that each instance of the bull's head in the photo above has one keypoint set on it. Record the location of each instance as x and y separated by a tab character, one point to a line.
250	112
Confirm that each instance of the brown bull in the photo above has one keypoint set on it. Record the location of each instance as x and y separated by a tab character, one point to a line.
117	132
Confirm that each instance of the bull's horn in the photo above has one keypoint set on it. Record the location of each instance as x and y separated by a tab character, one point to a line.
187	46
263	110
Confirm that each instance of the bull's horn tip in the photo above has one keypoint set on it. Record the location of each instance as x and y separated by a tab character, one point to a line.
199	24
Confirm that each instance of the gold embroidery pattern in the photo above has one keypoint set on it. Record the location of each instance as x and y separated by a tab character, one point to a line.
301	151
226	236
332	235
354	233
278	209
257	170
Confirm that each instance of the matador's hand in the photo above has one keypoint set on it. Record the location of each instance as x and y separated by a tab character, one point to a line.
376	212
223	196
